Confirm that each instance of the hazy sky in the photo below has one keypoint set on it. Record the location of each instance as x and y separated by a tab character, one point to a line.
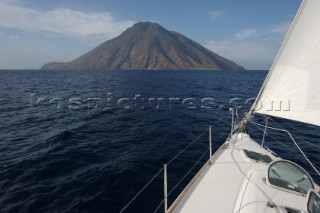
34	32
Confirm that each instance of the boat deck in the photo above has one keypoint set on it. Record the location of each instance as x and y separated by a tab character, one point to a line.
235	183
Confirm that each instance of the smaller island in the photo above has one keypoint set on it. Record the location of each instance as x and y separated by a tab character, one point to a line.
148	46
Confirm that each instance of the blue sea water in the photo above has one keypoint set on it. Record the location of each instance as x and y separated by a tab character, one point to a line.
88	141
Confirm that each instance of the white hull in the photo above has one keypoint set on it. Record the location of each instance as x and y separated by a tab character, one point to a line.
234	183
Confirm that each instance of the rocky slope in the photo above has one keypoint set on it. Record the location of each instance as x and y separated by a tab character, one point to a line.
147	45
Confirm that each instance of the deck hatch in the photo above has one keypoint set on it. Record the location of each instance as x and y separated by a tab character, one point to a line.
255	156
289	176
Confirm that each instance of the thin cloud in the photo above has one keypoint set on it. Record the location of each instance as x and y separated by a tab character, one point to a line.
13	37
251	55
215	15
245	33
252	48
281	28
61	21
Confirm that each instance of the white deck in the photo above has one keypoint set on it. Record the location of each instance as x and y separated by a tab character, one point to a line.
233	183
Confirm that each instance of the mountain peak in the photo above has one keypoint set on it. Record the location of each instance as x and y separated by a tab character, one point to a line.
145	25
147	28
148	45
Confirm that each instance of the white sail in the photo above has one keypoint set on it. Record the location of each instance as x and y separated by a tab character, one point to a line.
292	88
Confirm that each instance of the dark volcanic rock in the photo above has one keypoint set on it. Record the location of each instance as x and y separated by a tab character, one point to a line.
148	46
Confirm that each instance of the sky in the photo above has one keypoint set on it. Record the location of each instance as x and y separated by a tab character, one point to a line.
34	32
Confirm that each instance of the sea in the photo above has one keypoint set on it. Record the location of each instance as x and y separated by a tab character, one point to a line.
90	141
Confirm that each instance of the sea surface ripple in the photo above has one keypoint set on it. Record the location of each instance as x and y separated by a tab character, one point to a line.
88	141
